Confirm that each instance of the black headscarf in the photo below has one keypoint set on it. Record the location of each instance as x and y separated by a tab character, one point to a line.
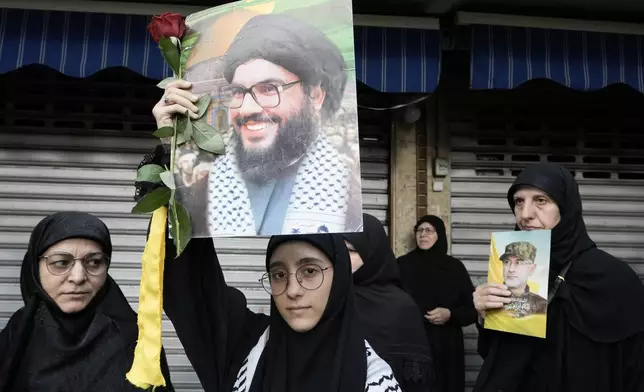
45	347
597	283
434	278
390	316
330	357
295	46
601	298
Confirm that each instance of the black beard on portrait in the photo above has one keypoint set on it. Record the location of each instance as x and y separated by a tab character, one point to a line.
293	139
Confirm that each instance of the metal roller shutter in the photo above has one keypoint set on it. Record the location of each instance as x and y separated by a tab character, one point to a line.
598	137
70	144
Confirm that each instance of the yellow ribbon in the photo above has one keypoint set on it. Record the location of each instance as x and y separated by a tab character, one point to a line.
146	368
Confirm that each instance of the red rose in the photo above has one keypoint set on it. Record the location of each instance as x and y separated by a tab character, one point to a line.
167	25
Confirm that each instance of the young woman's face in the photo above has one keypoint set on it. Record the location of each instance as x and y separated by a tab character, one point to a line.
426	236
306	275
534	209
72	272
356	259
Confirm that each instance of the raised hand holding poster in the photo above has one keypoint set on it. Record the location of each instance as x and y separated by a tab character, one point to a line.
276	149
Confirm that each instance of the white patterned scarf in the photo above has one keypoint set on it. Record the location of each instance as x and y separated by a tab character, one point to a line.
319	200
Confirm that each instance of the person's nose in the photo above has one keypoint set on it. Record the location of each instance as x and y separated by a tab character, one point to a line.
77	274
249	106
527	211
512	266
293	287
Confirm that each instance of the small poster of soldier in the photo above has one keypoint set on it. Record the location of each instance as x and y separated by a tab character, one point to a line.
520	260
283	95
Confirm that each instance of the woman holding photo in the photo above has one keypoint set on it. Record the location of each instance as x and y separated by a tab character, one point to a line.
595	326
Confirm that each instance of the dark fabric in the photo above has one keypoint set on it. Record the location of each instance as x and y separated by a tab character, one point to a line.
211	319
389	314
295	46
434	280
595	327
330	357
44	349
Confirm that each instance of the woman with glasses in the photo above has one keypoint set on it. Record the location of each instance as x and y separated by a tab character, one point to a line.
312	341
76	332
442	288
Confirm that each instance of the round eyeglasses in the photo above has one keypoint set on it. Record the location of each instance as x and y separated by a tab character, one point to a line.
309	276
267	95
61	263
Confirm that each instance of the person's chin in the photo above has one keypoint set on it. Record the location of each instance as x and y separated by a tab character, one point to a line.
73	307
301	325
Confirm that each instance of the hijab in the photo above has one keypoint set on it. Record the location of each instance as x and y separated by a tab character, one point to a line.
390	316
601	297
330	357
597	283
42	345
434	278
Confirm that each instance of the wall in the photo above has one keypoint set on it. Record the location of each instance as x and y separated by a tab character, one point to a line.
403	197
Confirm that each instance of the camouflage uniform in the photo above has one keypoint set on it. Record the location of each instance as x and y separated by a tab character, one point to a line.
527	303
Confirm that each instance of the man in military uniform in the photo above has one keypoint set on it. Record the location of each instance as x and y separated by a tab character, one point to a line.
518	266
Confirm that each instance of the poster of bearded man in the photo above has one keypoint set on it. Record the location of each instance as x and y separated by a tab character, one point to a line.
283	96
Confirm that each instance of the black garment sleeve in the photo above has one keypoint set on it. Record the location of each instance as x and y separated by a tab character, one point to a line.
464	313
211	319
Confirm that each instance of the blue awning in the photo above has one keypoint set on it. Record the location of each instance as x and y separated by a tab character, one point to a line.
398	60
81	44
505	57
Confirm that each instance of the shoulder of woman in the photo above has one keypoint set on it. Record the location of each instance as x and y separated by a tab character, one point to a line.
380	377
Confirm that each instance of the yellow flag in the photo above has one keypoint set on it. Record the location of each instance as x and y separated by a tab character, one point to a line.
146	368
495	272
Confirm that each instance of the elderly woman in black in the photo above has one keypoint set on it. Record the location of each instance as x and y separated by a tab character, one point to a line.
595	327
76	332
443	290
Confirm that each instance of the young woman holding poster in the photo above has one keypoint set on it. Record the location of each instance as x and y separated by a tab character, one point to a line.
595	326
312	341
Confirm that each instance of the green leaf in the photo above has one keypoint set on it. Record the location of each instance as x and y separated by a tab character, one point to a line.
168	179
189	41
202	104
164	132
170	53
165	82
180	226
207	137
149	173
184	130
153	200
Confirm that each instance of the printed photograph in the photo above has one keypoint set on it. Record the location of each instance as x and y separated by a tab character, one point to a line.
520	260
282	82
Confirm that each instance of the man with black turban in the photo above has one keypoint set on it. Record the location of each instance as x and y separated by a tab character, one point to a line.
280	174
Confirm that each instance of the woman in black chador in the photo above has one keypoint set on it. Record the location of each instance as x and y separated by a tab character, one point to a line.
443	290
76	332
595	329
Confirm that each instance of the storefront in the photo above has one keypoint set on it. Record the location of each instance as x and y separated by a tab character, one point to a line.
75	122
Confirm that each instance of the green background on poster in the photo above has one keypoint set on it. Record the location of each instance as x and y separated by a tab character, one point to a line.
333	17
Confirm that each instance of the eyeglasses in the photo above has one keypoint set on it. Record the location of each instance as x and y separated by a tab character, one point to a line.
425	230
61	263
267	95
309	276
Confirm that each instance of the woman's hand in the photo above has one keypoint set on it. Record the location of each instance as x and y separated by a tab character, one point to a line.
177	99
490	296
438	316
